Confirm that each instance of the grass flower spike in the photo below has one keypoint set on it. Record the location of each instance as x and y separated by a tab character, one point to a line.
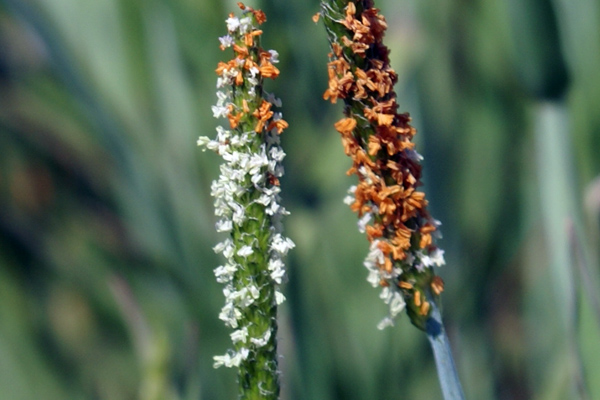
392	210
247	204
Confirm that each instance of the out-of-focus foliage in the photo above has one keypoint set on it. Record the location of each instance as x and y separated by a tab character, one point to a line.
106	225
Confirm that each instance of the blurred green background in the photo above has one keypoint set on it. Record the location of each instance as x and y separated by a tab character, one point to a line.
106	224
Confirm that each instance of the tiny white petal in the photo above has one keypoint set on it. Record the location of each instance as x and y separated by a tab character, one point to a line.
245	24
414	155
387	321
362	223
279	297
278	276
221	98
397	304
228	252
226	41
203	141
245	251
282	245
230	315
243	300
273	100
239	214
263	340
264	199
254	292
273	208
219	111
232	23
257	179
224	226
277	269
220	361
213	145
277	154
220	247
240	335
437	257
274	56
386	295
373	277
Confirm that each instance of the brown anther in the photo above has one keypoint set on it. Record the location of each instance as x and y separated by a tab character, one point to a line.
241	51
260	16
268	70
417	299
273	180
279	125
239	79
437	285
424	310
387	265
405	285
345	126
234	119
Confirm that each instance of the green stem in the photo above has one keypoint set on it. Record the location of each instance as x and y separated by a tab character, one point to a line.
449	382
258	375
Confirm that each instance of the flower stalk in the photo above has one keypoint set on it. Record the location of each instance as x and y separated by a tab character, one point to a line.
247	204
392	210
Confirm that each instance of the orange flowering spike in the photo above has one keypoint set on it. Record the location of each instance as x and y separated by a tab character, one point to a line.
379	141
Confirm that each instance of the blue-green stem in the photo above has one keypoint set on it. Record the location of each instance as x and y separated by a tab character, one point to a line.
444	362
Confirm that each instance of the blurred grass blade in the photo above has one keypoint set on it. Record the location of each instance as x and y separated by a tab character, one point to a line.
589	280
65	67
557	196
540	63
557	205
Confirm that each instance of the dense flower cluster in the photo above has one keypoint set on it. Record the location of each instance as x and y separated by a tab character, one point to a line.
392	211
246	195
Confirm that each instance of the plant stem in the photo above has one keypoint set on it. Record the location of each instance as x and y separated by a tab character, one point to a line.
448	376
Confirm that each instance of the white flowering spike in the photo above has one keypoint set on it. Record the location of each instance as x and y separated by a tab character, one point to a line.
247	204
